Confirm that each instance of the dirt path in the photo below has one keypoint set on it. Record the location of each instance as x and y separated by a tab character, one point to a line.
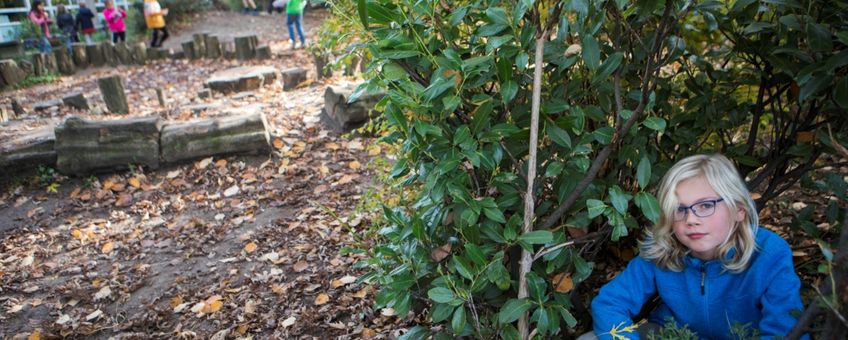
225	247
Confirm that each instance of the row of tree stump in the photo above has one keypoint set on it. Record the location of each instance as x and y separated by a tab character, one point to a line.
103	54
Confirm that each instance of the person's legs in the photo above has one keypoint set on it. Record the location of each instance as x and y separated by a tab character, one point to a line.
165	35
69	41
299	23
45	45
87	38
155	38
114	38
122	36
270	7
290	20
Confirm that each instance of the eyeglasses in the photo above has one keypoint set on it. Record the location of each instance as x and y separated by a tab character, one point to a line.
701	209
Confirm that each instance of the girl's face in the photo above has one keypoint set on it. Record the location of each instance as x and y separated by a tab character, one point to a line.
108	4
703	235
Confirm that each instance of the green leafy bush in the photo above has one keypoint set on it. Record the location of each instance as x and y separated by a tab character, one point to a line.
626	88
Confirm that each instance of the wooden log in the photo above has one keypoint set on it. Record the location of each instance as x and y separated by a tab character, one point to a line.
6	115
29	151
76	100
11	72
188	50
39	64
241	79
17	108
342	116
199	40
80	55
228	50
122	50
178	55
245	48
160	96
112	89
65	61
213	47
96	57
86	146
263	52
292	77
110	54
138	51
218	136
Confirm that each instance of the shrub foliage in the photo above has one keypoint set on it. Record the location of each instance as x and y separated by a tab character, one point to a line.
627	88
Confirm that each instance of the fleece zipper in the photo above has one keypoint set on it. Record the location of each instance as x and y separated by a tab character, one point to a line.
703	276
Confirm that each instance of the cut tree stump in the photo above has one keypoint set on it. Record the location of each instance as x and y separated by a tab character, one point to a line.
84	146
76	100
17	108
122	50
200	44
228	50
29	151
138	51
11	72
189	50
110	54
322	68
240	79
96	57
43	64
112	89
208	137
160	96
245	47
80	55
64	61
213	47
178	55
263	52
293	77
343	116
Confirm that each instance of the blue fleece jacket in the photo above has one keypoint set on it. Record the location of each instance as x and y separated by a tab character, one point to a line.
705	297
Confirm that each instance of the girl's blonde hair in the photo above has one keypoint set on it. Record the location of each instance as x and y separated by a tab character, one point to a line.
660	244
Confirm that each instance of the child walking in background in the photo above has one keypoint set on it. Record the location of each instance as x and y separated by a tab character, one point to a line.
707	259
41	19
65	21
115	20
294	18
154	16
249	5
85	22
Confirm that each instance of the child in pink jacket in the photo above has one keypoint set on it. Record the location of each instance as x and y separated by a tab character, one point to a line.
115	20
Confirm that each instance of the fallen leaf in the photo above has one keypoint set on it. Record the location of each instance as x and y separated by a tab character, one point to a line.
212	305
102	293
124	199
361	294
343	281
107	247
231	191
278	143
300	266
203	163
320	189
368	333
288	322
63	319
564	283
440	253
374	150
16	308
321	299
176	301
94	315
107	184
134	182
250	247
354	165
35	336
173	174
27	261
221	163
250	307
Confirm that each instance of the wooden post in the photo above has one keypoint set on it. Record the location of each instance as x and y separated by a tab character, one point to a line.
199	40
80	55
263	52
139	53
160	96
96	57
123	53
11	72
64	61
213	47
39	64
189	51
112	89
245	48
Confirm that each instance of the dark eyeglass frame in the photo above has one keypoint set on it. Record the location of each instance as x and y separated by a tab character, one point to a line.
685	210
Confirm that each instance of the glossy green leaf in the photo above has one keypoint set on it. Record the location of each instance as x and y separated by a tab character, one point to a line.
814	86
559	136
655	123
619	199
596	207
441	295
497	15
537	237
643	172
513	309
591	52
649	205
508	91
840	93
536	286
441	312
569	319
462	267
604	135
363	12
458	320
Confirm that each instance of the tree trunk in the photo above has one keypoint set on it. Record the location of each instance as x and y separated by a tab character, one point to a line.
64	61
112	89
200	44
80	55
529	197
245	48
96	57
11	73
30	151
213	47
85	146
217	136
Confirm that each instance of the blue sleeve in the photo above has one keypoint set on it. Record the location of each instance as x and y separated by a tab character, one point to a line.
622	298
781	302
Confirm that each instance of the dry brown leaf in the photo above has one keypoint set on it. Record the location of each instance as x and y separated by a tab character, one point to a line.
176	301
361	294
250	307
107	184
300	266
107	247
564	283
321	188
288	322
241	329
806	137
440	253
374	150
118	187
355	165
124	199
134	182
343	281
212	305
322	299
75	193
76	233
278	143
35	336
203	163
368	333
221	163
250	247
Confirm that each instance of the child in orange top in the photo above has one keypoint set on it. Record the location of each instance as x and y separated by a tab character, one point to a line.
154	17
